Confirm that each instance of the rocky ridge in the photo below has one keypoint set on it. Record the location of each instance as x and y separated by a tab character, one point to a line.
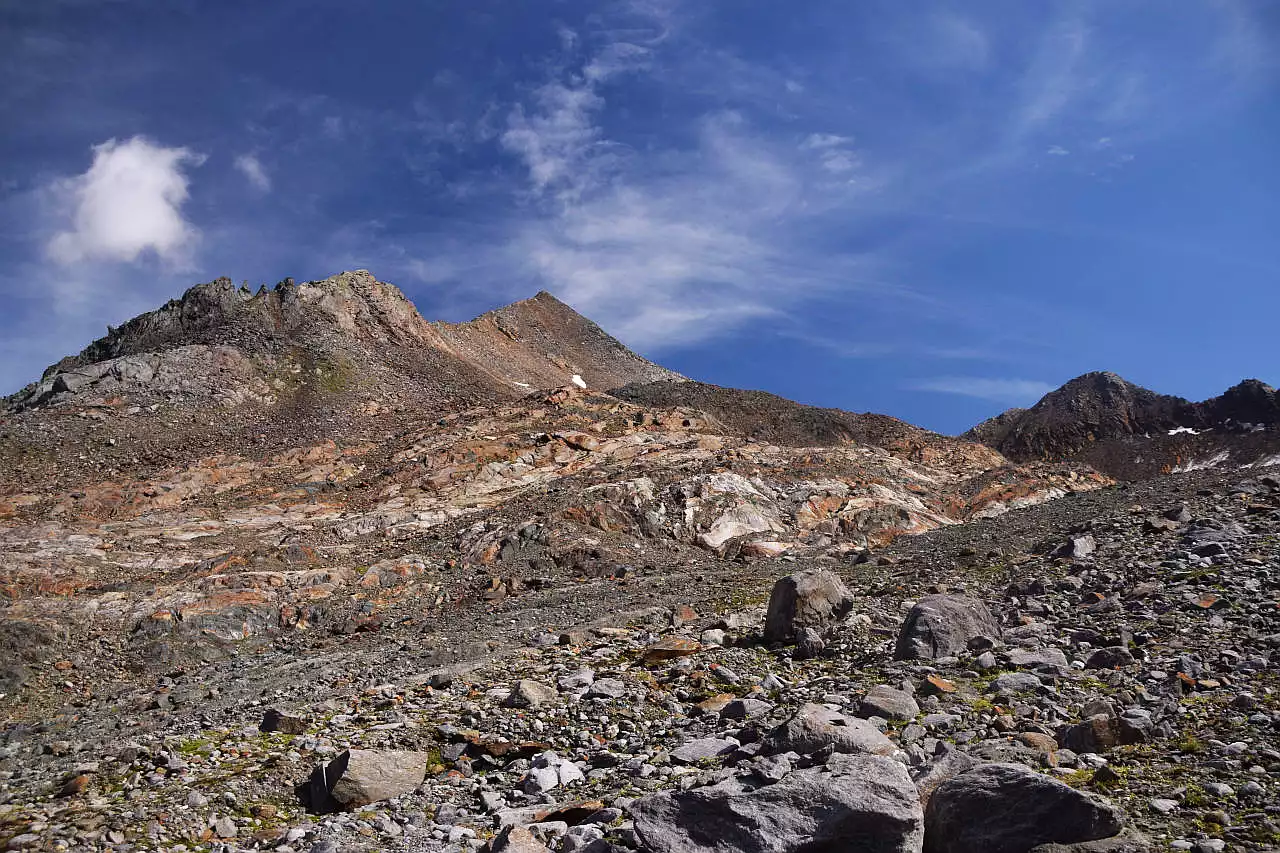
350	330
1129	432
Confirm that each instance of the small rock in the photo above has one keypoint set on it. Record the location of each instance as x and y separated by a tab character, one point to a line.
531	694
890	703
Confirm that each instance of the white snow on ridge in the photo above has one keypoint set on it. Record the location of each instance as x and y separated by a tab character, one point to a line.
579	381
1265	463
1181	430
1203	464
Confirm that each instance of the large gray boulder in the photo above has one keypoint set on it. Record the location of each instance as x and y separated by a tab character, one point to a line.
942	625
857	802
948	765
359	777
1129	841
889	703
814	727
1008	808
809	599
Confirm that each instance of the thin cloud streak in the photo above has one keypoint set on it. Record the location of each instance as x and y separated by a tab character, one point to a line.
676	253
254	172
1000	390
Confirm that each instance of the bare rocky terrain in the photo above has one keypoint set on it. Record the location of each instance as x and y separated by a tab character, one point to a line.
301	571
1130	432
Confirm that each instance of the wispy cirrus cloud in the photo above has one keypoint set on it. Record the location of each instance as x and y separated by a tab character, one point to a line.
1021	392
724	218
254	172
679	246
835	152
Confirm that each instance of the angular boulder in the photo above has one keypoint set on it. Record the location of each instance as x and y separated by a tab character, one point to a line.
517	839
814	727
889	703
275	720
1097	733
942	625
359	777
857	802
1077	547
531	694
1008	808
809	599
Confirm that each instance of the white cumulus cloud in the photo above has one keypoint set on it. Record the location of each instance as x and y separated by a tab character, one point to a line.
253	170
127	203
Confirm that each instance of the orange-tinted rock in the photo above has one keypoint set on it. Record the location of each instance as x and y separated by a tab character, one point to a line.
670	648
936	684
75	785
715	704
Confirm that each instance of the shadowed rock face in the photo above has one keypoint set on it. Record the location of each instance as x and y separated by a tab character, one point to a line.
1128	431
1089	408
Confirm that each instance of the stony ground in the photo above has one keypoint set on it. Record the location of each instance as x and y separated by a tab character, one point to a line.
1140	629
300	571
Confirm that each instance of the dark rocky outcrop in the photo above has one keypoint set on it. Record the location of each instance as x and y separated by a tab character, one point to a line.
1008	808
942	626
861	802
813	599
1128	431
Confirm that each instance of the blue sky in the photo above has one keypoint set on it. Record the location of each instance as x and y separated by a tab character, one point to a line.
932	210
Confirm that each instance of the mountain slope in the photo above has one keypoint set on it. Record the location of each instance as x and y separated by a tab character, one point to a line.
1129	431
223	367
362	331
192	470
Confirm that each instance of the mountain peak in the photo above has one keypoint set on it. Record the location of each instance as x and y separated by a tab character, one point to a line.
351	320
1099	378
1095	413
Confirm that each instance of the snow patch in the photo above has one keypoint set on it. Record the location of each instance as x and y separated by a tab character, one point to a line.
1266	463
1183	430
1203	464
579	381
522	384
